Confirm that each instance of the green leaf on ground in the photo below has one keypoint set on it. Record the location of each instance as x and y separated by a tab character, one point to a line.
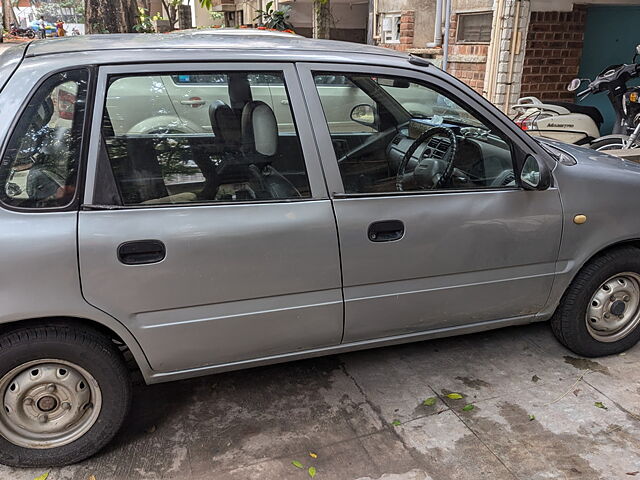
467	408
312	472
532	417
429	402
600	405
44	476
297	464
454	396
396	423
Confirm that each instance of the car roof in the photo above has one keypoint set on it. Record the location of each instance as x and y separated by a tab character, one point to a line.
222	39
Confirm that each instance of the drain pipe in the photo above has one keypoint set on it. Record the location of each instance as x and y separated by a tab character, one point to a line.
447	26
437	28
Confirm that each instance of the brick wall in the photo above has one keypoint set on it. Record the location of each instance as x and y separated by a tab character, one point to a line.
553	52
467	61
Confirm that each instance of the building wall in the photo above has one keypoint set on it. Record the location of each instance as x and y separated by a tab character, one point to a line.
348	19
424	12
468	61
553	51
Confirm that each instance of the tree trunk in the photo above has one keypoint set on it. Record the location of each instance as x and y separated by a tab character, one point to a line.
172	13
321	19
110	16
8	15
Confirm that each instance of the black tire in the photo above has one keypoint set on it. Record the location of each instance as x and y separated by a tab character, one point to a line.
88	349
611	143
569	320
31	34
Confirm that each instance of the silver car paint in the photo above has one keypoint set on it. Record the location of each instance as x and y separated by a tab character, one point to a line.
43	263
494	250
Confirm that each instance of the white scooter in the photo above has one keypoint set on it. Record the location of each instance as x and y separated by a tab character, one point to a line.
580	124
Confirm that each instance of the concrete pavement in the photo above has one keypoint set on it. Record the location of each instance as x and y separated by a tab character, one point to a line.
363	415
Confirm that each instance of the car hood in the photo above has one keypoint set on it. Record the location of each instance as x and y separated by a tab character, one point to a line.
586	158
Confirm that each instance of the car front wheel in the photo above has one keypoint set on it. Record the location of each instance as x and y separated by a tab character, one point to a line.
65	392
599	313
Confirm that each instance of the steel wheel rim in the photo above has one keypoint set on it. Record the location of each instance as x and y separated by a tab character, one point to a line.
48	403
614	309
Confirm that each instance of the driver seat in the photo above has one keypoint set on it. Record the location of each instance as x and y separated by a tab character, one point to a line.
260	145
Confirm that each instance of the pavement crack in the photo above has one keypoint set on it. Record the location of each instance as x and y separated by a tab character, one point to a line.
385	425
473	432
635	416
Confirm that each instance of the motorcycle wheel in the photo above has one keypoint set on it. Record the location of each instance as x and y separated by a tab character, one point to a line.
613	143
31	34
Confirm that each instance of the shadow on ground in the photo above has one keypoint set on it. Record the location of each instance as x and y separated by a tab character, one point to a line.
534	416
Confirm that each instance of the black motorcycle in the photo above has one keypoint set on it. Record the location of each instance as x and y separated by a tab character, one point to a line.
625	101
22	32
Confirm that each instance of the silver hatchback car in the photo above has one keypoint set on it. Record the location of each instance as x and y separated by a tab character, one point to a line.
203	202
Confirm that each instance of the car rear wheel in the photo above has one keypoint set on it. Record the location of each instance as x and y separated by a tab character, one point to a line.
599	313
65	391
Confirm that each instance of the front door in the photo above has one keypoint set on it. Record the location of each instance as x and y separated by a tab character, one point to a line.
216	246
434	233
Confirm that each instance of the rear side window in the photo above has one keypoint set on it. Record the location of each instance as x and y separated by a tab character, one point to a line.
198	137
39	167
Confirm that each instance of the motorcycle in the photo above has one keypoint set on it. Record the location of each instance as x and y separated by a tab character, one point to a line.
580	124
22	32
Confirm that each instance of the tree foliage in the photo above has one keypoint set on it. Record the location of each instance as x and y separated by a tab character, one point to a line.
276	19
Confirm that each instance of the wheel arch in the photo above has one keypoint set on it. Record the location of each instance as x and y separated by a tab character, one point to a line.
559	292
118	334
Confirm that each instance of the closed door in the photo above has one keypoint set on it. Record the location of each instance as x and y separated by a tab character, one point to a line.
208	253
435	231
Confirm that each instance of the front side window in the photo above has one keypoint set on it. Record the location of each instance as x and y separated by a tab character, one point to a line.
193	137
40	165
392	134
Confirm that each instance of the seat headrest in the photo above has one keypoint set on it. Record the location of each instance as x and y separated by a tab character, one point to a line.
225	124
259	129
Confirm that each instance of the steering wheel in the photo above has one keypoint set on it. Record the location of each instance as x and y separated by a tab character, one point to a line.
429	173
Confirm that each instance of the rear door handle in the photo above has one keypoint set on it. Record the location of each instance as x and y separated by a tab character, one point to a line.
386	231
140	252
193	102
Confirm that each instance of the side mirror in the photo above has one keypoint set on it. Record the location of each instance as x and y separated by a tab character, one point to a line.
364	114
535	174
574	85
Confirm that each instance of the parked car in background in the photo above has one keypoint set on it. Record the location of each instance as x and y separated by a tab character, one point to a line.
203	202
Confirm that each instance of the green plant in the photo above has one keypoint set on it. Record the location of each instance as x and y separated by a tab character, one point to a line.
276	19
215	16
145	24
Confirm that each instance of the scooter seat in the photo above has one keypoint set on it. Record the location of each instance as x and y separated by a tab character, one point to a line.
590	111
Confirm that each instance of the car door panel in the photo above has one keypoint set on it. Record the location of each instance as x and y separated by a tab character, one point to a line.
463	257
460	260
221	280
237	282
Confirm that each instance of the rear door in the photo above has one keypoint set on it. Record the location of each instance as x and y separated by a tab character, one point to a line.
181	240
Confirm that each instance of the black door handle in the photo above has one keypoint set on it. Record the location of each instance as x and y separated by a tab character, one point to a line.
139	252
386	231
